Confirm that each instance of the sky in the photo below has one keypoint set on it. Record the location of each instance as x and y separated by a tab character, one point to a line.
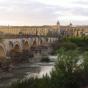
43	12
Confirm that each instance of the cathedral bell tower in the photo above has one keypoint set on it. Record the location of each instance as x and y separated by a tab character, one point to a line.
58	26
70	25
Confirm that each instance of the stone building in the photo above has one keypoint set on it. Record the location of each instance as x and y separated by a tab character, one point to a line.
29	30
74	31
68	30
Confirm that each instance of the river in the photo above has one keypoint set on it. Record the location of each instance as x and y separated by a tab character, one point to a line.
25	70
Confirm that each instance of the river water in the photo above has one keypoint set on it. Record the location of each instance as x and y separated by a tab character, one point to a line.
26	70
44	68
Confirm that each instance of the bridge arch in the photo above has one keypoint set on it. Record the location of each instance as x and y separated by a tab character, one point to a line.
26	45
17	47
2	51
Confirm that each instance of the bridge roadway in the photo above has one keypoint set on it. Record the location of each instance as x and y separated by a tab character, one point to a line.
7	36
23	42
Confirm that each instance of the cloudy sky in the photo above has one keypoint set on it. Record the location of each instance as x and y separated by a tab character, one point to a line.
42	12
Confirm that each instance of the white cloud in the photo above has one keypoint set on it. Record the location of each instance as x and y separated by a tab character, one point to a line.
56	2
36	12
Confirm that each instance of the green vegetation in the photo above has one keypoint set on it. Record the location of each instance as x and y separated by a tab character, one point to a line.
81	42
72	43
70	71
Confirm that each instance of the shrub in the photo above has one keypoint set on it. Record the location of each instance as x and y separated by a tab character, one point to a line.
68	45
71	70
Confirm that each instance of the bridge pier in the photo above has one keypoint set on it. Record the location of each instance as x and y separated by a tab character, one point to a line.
2	52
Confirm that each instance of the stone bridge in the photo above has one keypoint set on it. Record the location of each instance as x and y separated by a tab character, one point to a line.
23	43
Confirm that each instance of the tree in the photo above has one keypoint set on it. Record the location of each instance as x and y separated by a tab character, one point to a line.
70	70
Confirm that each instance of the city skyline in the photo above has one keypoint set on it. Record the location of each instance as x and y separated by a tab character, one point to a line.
43	12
